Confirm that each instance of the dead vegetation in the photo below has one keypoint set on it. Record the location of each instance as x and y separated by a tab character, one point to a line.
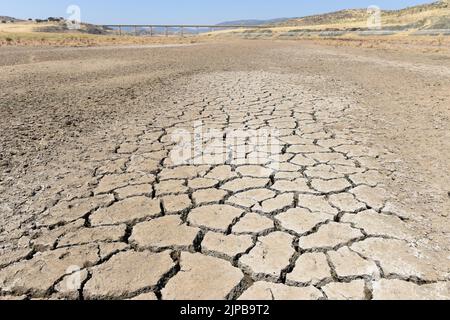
429	16
56	33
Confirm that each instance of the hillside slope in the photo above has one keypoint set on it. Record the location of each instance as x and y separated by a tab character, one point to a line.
19	26
4	19
428	16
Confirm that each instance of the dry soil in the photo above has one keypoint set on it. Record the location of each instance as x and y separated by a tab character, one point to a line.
351	200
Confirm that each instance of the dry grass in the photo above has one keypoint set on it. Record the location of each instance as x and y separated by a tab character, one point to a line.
82	40
22	27
29	34
419	44
408	20
26	35
357	18
398	42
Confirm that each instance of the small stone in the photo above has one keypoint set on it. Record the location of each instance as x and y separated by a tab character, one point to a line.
176	204
270	256
225	246
214	217
129	210
130	271
208	196
330	236
202	278
164	233
271	291
310	268
301	220
253	223
355	290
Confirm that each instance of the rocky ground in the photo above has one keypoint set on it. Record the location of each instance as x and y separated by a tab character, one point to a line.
134	173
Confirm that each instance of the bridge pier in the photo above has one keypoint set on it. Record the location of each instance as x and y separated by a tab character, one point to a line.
182	28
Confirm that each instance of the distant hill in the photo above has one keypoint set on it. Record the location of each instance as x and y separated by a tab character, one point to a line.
51	25
427	16
8	19
61	27
434	15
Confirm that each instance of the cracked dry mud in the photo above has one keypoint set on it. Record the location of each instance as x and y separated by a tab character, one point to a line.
103	205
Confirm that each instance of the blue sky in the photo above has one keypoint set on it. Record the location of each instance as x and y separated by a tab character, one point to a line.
186	11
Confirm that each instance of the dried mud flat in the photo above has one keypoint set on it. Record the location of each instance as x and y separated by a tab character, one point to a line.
350	202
